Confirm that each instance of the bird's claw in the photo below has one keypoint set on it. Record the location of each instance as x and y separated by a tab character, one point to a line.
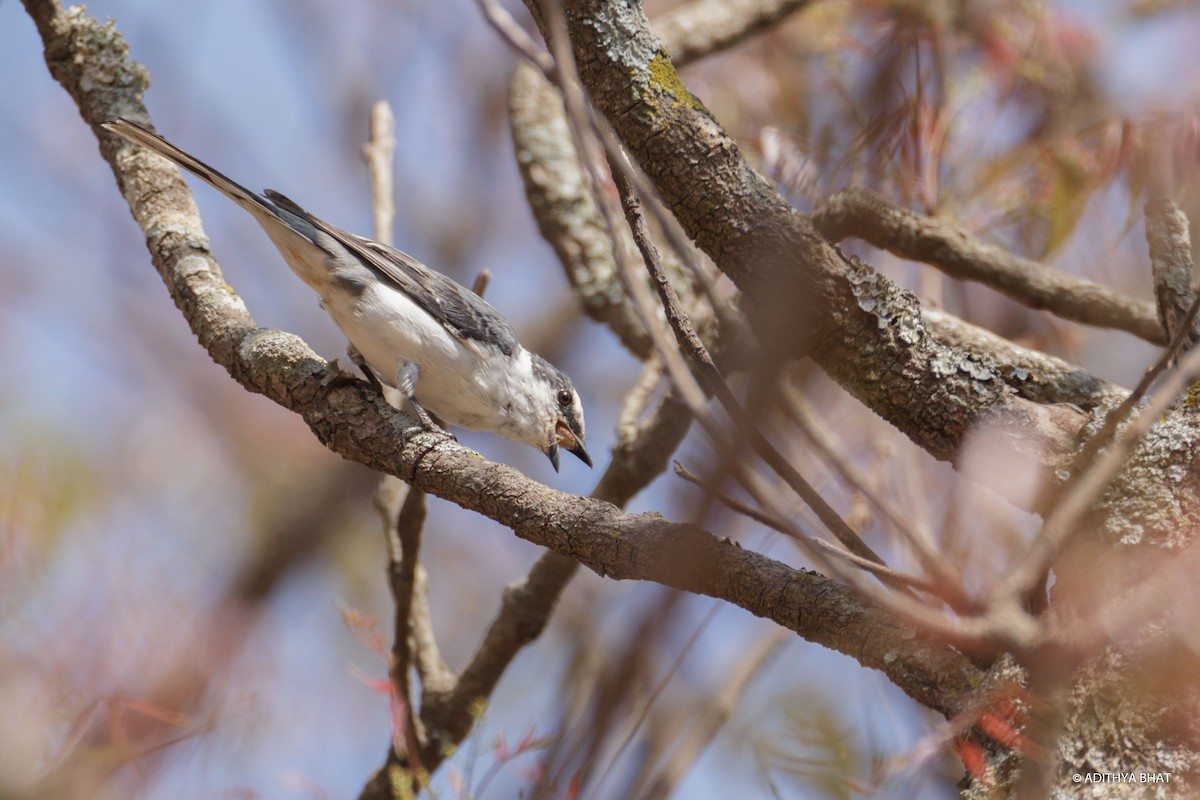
427	420
335	376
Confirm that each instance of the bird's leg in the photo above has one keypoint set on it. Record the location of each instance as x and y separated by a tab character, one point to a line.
406	383
336	376
357	358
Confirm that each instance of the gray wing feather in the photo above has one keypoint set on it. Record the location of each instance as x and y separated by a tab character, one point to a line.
464	313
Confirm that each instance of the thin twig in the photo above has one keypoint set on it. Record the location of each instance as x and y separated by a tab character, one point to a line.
715	383
378	154
638	398
941	570
427	656
738	507
481	281
404	541
515	36
1090	484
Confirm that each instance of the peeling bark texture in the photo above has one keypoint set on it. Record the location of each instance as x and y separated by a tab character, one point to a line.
867	215
1034	375
1117	714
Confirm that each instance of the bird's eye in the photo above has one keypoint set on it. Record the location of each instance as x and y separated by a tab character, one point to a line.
564	398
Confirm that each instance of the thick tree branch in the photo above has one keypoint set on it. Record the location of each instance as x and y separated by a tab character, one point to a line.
867	215
866	332
526	606
357	423
1033	374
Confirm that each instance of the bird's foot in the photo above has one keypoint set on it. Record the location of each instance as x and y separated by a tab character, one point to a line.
335	376
428	421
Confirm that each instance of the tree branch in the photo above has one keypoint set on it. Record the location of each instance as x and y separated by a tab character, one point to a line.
356	422
867	215
703	27
866	332
1171	267
563	206
1034	375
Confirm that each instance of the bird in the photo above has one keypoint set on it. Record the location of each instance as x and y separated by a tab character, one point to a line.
443	347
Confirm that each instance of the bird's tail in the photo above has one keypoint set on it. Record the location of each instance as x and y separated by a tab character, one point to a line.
254	203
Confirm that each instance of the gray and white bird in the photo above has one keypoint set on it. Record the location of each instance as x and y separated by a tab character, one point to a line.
441	345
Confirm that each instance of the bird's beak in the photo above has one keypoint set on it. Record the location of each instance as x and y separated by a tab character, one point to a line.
570	441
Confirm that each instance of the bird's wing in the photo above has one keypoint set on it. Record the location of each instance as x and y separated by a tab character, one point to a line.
464	313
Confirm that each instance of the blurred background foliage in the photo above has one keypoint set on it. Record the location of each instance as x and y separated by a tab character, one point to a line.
193	589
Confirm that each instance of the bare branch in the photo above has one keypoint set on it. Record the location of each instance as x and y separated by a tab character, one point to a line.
378	154
564	208
865	331
1033	374
703	27
869	216
515	36
1171	267
404	542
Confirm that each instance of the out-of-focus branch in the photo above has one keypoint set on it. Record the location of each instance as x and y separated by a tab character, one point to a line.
865	331
514	35
703	27
563	206
427	656
867	215
1171	267
714	382
881	571
1087	486
946	576
378	155
712	716
639	456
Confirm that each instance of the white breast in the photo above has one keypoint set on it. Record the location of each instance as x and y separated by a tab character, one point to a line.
464	383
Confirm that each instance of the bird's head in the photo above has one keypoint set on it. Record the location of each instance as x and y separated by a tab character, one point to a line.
564	420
